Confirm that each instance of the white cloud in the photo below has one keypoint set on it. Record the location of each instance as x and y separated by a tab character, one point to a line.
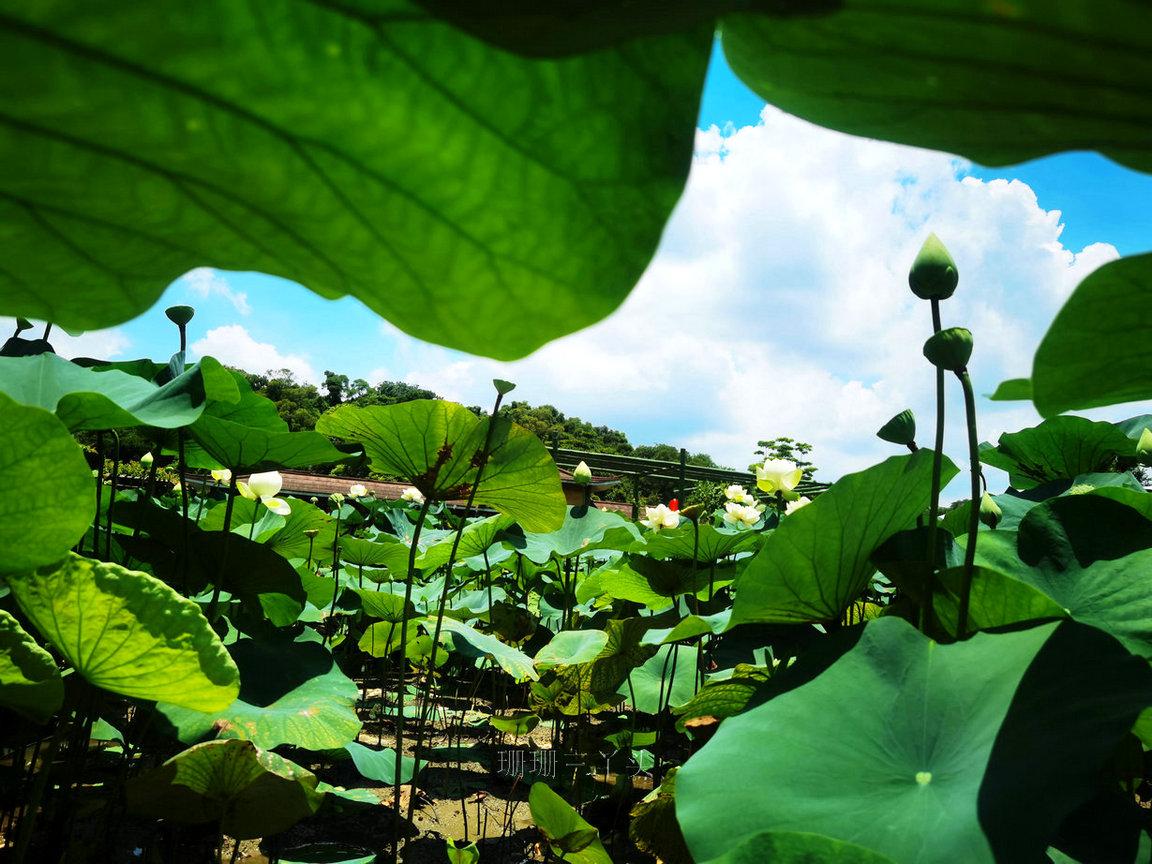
206	282
778	303
233	345
101	344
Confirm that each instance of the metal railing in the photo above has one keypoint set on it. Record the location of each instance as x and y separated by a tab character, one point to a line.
683	475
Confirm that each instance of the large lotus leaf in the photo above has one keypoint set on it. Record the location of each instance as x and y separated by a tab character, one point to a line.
1091	555
291	541
593	686
712	545
368	151
384	605
128	632
246	448
380	765
84	399
570	837
995	600
617	581
584	530
793	847
246	791
513	661
668	677
1084	361
570	647
922	752
291	692
238	565
476	538
30	682
47	496
817	561
434	445
1060	448
382	551
995	84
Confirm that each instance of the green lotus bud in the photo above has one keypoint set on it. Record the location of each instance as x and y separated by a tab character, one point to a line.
146	459
990	512
950	349
933	275
1144	445
180	315
901	429
582	474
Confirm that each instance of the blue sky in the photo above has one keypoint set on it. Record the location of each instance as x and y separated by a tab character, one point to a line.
804	237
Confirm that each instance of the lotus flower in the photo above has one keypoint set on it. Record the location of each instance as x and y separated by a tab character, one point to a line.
266	487
412	494
245	491
582	473
793	506
222	476
738	494
336	498
777	475
742	515
147	459
659	517
357	490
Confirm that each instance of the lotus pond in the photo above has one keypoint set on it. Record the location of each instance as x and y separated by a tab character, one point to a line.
198	666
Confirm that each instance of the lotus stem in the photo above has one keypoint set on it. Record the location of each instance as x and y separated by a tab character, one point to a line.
937	470
974	511
481	464
223	552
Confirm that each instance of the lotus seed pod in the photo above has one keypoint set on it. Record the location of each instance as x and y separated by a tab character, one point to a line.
950	349
502	386
990	512
933	275
23	324
180	315
692	512
311	533
901	429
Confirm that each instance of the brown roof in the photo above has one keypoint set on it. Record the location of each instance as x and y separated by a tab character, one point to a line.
303	484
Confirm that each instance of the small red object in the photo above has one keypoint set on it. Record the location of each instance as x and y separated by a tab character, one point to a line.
674	505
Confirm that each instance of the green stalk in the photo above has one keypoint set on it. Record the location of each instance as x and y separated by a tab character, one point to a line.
402	666
481	464
937	470
974	513
223	552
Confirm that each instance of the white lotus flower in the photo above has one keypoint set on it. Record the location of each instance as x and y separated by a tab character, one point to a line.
245	491
357	490
659	517
742	515
739	494
266	485
793	506
582	473
412	494
222	475
278	506
777	475
336	498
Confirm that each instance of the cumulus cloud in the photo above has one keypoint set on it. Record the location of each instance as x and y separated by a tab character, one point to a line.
205	282
233	345
778	302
